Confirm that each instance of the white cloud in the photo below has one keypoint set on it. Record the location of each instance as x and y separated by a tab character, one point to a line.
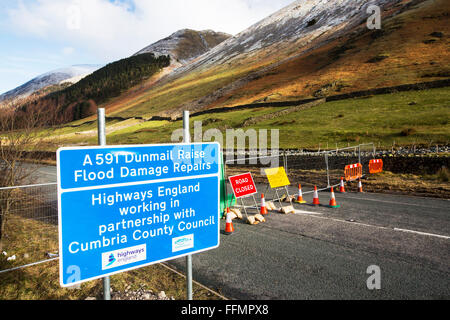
115	29
68	51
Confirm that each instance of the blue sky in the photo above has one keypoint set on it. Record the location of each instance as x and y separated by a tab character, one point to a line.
37	36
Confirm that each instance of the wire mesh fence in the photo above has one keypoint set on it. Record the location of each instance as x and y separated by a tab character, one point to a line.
322	169
29	216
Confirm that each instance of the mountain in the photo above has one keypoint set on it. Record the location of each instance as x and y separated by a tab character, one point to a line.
80	100
311	48
137	72
186	44
300	23
59	76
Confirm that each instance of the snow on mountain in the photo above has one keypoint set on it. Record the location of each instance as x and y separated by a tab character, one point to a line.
185	45
70	74
301	22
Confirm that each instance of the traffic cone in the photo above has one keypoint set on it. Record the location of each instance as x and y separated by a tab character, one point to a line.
316	201
342	186
333	203
300	195
263	210
360	189
229	229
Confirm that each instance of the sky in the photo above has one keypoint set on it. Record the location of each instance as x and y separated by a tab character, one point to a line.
37	36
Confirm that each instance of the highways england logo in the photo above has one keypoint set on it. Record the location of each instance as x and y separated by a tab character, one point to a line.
111	260
117	258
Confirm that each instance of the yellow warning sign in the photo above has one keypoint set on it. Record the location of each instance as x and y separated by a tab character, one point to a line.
277	177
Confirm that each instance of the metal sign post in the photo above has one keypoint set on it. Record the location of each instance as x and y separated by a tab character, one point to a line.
187	139
101	127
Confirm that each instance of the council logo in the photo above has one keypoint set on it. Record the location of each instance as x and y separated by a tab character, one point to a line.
183	243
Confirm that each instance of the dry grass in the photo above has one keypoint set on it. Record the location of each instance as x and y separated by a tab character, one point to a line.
29	240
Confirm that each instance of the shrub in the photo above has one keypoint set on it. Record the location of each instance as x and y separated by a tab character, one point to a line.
408	132
378	58
443	174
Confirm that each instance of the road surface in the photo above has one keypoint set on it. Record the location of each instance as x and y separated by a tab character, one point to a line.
324	253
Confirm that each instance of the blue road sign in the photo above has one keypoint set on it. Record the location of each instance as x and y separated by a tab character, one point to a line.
126	207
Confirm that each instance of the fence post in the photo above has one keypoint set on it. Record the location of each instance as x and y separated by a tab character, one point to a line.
285	161
359	153
328	171
101	127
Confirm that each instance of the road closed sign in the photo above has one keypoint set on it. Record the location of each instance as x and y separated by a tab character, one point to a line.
126	207
242	185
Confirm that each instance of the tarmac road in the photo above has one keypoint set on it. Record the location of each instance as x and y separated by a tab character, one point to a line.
320	254
324	253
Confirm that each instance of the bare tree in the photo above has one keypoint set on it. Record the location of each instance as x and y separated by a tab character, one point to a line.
21	136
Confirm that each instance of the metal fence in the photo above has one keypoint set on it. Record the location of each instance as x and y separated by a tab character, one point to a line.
30	224
30	235
322	169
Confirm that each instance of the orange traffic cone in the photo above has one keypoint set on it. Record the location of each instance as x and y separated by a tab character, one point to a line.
360	189
300	195
263	210
316	201
342	186
229	229
333	203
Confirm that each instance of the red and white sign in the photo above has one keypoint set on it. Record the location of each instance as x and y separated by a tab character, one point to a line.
243	185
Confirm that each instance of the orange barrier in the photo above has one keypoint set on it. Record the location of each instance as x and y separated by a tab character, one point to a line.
353	172
376	166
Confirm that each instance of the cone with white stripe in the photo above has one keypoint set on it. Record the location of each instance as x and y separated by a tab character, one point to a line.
300	195
316	201
263	210
360	188
229	229
342	186
333	203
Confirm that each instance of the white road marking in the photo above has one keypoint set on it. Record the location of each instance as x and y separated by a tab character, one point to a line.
306	212
423	233
374	226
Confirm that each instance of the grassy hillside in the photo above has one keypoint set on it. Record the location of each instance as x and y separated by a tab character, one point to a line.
406	118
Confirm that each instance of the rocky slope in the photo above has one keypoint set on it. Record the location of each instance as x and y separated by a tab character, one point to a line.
185	45
302	22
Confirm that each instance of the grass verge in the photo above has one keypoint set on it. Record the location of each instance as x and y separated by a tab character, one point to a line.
29	240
